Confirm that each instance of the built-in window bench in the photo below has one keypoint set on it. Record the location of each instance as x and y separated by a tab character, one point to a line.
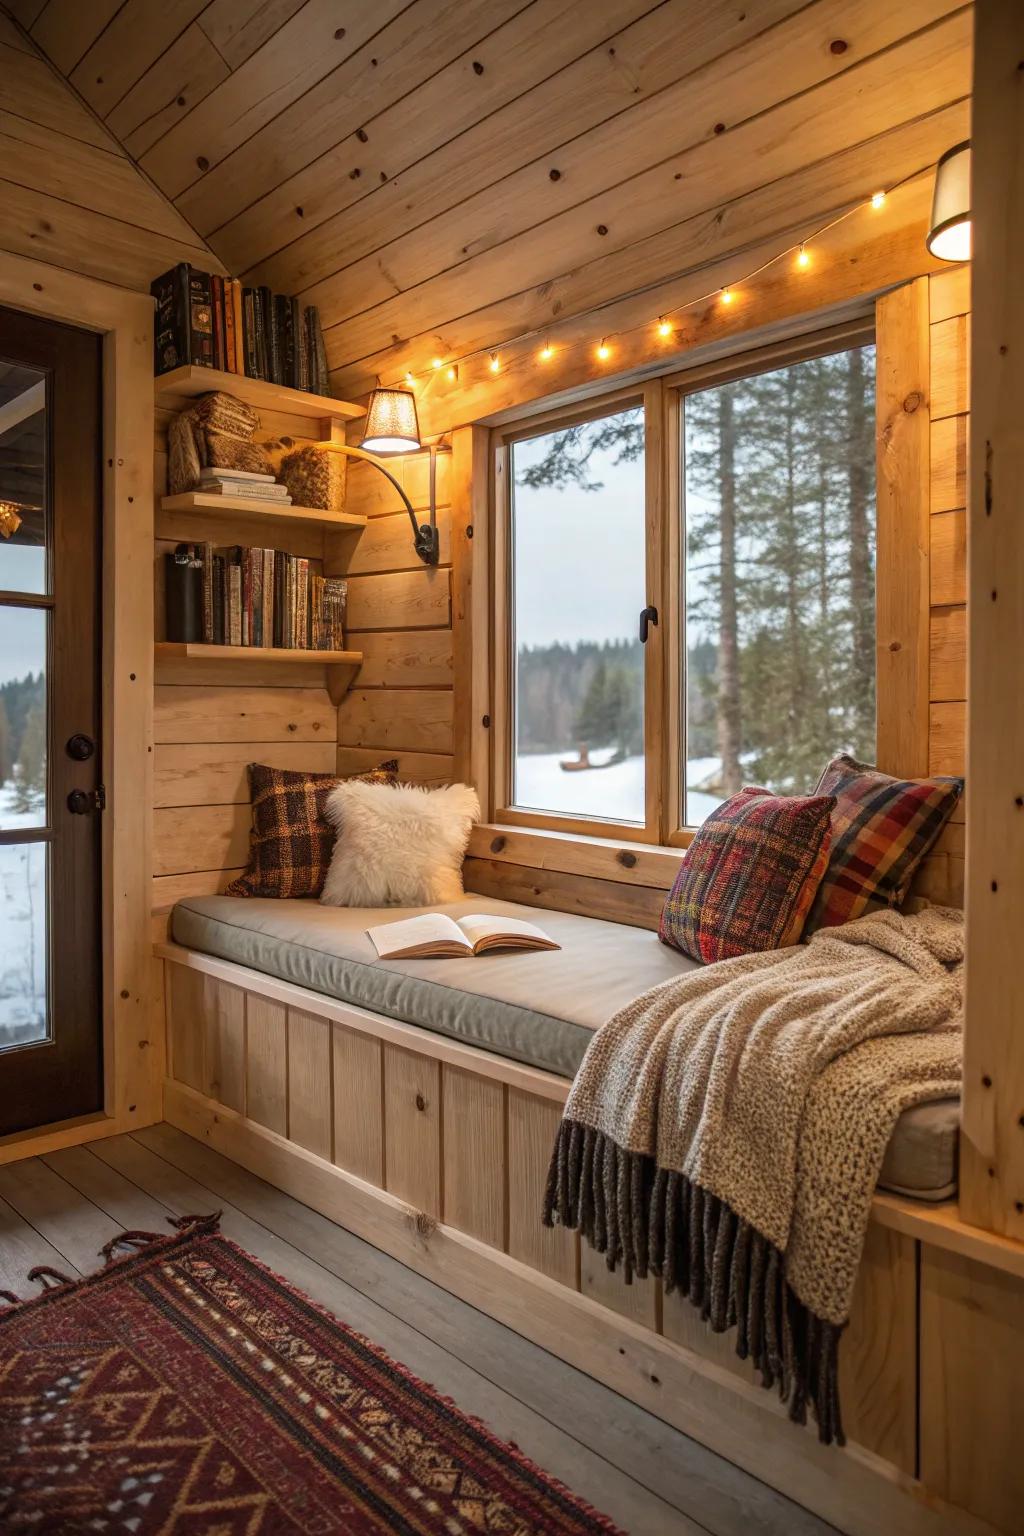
416	1102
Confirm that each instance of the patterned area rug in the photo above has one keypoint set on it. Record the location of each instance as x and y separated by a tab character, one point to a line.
186	1390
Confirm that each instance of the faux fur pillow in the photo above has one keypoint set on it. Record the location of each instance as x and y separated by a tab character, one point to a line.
398	846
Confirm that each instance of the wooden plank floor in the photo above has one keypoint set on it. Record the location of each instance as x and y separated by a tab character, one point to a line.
651	1480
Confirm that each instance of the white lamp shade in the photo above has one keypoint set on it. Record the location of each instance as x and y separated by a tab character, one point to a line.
949	234
392	425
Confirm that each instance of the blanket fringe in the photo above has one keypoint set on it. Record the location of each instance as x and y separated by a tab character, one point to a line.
650	1221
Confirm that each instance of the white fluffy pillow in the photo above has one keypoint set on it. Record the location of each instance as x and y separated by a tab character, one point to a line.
398	845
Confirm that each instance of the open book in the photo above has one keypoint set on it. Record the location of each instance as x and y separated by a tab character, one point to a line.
432	934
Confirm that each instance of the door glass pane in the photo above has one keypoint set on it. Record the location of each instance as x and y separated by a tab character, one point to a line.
780	577
578	558
23	727
22	479
23	944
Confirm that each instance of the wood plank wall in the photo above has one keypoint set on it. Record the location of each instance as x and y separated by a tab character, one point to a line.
211	719
400	616
70	194
949	302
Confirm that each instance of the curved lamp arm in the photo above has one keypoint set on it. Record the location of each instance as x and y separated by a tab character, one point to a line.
425	536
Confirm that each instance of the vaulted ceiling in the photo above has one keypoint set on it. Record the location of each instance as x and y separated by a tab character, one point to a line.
441	175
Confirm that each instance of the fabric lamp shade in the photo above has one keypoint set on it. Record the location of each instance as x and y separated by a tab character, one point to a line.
949	233
392	425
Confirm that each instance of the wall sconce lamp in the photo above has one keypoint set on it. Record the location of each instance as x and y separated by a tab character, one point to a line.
392	426
949	232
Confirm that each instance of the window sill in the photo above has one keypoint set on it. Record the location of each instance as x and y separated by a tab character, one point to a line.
622	861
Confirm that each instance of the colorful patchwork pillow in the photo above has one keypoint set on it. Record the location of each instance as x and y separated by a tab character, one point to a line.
291	840
881	830
750	876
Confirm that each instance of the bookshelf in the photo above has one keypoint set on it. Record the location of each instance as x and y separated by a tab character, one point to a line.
209	505
340	667
181	384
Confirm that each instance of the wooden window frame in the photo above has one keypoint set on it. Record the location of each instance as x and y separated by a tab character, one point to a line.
663	398
650	395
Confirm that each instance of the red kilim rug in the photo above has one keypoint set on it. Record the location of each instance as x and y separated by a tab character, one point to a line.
185	1390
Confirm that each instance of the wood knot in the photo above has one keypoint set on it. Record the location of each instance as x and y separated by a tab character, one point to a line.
895	645
838	45
986	1081
202	162
425	1225
626	859
478	68
913	402
421	1102
497	844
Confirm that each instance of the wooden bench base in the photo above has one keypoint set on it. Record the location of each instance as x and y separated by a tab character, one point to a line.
437	1152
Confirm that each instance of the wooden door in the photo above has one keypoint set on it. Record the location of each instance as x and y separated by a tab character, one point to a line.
50	793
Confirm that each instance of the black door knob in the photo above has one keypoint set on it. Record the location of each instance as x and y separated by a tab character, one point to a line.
80	802
80	747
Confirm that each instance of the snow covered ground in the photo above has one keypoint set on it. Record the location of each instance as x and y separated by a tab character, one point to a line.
612	794
22	929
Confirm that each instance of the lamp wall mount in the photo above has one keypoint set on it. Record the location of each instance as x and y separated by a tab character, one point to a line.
426	540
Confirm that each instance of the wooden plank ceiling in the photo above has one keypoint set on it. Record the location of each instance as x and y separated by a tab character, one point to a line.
444	175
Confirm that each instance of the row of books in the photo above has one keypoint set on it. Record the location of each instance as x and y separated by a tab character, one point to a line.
253	597
213	322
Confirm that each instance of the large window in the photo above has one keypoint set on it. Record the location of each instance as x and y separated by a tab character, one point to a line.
779	598
578	585
749	542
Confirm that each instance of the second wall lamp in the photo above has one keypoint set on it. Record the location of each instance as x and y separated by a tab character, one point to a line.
392	426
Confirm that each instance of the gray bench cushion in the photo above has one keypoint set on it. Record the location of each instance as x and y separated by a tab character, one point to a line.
540	1009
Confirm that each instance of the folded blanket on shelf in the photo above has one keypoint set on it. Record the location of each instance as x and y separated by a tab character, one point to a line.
726	1130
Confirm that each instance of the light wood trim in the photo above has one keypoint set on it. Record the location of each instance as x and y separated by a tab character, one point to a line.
625	862
903	534
133	1049
855	1490
992	1145
471	576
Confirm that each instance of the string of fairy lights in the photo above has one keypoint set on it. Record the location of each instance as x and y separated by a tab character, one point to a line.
603	347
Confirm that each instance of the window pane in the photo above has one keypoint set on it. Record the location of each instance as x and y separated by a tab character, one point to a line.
22	479
578	588
23	946
23	728
780	577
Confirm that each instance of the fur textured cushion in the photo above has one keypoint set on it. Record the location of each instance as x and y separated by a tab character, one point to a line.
398	846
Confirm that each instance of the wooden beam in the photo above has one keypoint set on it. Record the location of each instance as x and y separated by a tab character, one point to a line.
992	1146
903	535
471	606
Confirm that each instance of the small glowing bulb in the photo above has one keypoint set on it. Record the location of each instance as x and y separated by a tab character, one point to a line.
664	327
436	363
409	381
878	200
453	373
726	295
494	363
547	352
803	259
604	350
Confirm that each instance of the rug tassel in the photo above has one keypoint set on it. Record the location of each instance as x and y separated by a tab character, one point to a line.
133	1239
48	1277
11	1299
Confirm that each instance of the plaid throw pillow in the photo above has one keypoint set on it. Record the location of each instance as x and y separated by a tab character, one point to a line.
749	876
291	841
881	830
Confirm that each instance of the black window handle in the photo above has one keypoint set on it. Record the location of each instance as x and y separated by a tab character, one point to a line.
648	616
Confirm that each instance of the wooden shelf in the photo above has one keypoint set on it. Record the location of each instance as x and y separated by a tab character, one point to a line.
181	384
340	667
260	511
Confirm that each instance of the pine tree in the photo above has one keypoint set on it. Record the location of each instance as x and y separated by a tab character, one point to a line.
6	760
30	769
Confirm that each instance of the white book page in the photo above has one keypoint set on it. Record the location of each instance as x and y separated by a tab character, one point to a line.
478	925
411	932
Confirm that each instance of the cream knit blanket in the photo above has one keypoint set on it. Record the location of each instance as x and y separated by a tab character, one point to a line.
726	1131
